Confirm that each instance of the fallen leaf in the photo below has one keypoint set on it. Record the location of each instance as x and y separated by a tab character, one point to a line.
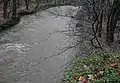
91	77
81	78
114	65
119	73
74	76
100	73
84	81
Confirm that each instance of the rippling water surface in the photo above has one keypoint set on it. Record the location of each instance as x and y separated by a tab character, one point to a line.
26	49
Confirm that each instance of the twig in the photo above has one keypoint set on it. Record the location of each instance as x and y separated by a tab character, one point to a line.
95	31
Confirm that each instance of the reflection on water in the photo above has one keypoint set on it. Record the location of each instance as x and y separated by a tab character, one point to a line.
24	46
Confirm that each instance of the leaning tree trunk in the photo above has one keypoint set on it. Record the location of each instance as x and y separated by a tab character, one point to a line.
112	21
14	9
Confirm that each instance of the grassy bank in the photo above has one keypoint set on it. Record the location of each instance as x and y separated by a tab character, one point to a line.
97	67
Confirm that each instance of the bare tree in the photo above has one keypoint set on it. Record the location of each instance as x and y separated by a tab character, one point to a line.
27	4
112	20
14	10
99	8
5	5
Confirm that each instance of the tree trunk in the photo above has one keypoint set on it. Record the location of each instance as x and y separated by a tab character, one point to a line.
112	21
5	5
100	25
18	3
110	32
14	9
100	17
27	4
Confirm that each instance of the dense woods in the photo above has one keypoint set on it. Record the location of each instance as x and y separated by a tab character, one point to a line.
104	15
97	66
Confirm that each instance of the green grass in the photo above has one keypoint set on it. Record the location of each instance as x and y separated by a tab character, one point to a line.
91	65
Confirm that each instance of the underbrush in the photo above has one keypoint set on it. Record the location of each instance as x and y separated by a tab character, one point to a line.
97	67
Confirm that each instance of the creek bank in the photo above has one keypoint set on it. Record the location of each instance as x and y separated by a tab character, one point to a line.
12	22
98	67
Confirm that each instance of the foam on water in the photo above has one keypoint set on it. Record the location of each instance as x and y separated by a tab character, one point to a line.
15	47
